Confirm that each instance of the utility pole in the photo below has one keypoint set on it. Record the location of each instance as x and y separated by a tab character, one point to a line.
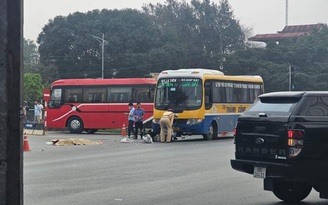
221	52
102	41
286	13
290	78
11	125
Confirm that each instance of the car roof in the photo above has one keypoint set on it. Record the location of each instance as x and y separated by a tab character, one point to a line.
294	94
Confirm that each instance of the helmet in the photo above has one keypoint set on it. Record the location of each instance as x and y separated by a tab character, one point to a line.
147	138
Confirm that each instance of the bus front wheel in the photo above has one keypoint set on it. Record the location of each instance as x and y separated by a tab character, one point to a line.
75	125
211	134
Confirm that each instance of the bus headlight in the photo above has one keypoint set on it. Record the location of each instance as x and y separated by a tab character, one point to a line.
156	121
194	121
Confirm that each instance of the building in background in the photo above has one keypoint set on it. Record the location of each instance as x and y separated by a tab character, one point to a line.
289	32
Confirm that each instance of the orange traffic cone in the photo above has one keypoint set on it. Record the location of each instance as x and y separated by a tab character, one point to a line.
123	131
26	145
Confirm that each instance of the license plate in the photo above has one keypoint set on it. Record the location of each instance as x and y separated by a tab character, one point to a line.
259	172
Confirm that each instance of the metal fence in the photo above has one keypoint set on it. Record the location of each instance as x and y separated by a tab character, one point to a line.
30	115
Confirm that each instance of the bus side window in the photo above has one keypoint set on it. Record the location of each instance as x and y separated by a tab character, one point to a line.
119	94
143	97
151	93
143	94
124	97
208	95
96	94
72	94
71	99
111	97
97	97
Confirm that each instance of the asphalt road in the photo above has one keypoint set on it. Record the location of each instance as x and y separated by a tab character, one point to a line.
188	172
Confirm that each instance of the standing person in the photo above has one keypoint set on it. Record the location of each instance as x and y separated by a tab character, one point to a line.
25	111
37	111
130	119
166	123
138	115
41	110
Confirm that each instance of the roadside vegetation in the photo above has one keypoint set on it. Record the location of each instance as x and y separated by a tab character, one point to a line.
172	35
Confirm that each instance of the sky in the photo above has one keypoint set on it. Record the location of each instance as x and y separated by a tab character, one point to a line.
263	16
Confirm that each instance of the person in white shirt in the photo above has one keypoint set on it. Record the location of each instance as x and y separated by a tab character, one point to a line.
41	110
37	111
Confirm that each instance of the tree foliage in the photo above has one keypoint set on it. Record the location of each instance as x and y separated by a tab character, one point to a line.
199	33
33	87
176	34
163	36
31	56
308	55
68	43
35	72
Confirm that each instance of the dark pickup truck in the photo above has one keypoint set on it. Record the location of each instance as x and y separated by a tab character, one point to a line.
283	139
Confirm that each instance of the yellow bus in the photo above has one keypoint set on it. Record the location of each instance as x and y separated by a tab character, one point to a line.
207	102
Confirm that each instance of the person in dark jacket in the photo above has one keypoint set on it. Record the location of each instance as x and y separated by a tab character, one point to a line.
138	120
130	119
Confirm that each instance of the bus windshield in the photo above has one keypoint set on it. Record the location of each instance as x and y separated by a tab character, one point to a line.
181	93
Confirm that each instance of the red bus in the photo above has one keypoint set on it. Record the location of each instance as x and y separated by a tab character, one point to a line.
92	104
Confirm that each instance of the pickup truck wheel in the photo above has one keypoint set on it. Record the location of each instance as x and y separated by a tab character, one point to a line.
291	191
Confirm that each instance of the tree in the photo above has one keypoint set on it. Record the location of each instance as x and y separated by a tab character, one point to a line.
308	55
31	56
163	36
172	35
201	32
33	87
67	43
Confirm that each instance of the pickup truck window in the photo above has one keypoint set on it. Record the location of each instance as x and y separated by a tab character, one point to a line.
271	107
319	107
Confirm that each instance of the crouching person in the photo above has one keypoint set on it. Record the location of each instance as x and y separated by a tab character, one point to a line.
166	123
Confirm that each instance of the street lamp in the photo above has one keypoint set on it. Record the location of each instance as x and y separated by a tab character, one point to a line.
102	41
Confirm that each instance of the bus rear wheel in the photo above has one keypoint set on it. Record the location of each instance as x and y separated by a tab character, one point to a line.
75	125
211	134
